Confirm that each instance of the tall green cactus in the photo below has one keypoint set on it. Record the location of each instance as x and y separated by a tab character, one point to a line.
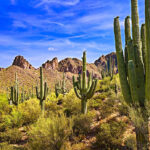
110	67
14	94
43	91
84	90
134	67
60	87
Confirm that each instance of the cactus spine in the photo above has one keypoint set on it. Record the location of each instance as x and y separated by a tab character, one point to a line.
134	81
43	91
84	90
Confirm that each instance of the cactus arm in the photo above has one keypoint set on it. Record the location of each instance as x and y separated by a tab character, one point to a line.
138	52
77	93
89	81
121	65
37	93
127	29
135	22
143	39
147	23
132	82
45	91
92	89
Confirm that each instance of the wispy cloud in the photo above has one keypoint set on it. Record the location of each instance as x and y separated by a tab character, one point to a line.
58	2
13	2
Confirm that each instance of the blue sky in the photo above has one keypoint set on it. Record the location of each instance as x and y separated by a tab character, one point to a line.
42	29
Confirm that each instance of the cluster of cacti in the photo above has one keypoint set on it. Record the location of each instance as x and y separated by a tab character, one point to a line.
14	94
134	66
84	90
60	87
15	97
109	68
42	94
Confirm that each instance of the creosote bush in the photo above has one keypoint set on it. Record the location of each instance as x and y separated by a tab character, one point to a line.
110	135
50	133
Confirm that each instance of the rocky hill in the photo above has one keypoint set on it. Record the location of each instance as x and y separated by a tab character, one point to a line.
53	70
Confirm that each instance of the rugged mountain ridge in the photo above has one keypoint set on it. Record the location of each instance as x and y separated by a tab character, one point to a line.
53	70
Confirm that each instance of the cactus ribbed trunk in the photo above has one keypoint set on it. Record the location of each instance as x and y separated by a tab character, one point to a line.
135	81
84	89
84	106
147	23
43	91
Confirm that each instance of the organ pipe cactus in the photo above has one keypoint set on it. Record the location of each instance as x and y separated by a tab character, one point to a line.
84	90
134	67
43	91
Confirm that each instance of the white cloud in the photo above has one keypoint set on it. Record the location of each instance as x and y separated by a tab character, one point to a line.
51	49
58	2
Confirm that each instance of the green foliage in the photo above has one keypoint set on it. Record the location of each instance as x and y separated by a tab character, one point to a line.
12	136
50	133
110	135
71	104
82	123
130	142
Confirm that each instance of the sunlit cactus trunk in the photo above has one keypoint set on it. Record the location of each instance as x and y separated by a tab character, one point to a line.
84	89
134	67
43	91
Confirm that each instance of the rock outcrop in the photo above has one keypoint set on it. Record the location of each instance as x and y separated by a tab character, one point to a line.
20	61
53	64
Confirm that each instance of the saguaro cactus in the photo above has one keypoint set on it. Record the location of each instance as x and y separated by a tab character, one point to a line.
134	67
43	91
84	90
14	94
60	87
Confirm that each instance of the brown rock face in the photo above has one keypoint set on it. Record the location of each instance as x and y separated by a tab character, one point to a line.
101	62
21	62
53	64
74	65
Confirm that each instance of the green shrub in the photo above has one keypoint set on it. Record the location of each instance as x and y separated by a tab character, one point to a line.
82	123
107	108
110	135
50	133
30	111
12	136
5	146
130	142
71	104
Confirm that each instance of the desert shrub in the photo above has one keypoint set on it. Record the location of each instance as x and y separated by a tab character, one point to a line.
30	111
110	135
95	103
50	133
52	107
12	136
71	104
130	142
5	146
14	119
25	113
123	110
107	108
82	123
